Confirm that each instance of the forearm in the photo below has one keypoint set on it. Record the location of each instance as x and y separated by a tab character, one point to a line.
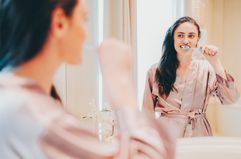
219	69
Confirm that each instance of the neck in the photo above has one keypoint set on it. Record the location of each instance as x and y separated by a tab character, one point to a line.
184	61
41	69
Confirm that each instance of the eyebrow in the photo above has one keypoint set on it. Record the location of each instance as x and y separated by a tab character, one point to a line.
185	33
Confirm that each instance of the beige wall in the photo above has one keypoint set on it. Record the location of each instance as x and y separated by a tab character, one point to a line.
224	30
226	34
232	38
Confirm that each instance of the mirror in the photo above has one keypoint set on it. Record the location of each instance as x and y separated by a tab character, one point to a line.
143	25
219	19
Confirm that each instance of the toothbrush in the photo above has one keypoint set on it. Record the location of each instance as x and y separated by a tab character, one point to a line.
196	52
185	47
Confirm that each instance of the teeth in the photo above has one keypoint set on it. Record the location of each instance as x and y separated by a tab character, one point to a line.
185	47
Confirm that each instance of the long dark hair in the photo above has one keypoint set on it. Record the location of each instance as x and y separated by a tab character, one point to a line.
24	27
54	94
166	72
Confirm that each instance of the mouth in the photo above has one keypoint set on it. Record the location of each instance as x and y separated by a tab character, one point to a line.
185	47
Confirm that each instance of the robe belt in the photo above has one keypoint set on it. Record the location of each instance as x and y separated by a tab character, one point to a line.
191	116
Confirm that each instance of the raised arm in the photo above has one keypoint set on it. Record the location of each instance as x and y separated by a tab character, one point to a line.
223	84
141	135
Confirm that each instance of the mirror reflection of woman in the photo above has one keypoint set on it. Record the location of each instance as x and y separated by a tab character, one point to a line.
178	88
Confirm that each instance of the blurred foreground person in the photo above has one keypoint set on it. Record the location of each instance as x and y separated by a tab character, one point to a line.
36	37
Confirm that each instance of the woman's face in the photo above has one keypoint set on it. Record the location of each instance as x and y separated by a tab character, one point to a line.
186	34
73	40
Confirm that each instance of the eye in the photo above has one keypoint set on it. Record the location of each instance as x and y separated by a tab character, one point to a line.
191	36
180	35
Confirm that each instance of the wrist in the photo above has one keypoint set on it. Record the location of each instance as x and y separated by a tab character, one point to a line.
219	69
216	64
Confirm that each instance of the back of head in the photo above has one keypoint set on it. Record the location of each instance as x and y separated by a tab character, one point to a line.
24	28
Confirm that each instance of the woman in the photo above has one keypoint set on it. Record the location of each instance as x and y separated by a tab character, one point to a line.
178	87
36	36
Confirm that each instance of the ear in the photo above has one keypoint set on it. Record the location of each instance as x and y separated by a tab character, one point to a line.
59	23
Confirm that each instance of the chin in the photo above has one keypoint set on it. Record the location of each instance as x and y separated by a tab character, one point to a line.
75	61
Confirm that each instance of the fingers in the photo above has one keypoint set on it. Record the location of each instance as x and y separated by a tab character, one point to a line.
115	54
209	50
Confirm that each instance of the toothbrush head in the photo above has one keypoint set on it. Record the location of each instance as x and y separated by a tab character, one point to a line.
185	47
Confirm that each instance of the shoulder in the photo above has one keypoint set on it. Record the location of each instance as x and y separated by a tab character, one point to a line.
28	102
154	66
151	73
152	69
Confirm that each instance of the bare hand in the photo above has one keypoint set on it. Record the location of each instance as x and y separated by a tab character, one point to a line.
116	65
211	53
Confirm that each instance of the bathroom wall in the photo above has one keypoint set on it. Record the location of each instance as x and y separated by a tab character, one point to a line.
220	19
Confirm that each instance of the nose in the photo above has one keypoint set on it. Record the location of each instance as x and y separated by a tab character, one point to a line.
185	40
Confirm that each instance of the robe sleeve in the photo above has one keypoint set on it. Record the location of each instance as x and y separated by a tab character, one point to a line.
224	88
139	136
148	98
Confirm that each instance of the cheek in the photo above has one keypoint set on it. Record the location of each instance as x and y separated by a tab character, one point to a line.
82	33
195	42
82	37
79	43
75	43
176	44
177	41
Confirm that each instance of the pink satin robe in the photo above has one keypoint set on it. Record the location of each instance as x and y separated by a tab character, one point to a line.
184	110
35	126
